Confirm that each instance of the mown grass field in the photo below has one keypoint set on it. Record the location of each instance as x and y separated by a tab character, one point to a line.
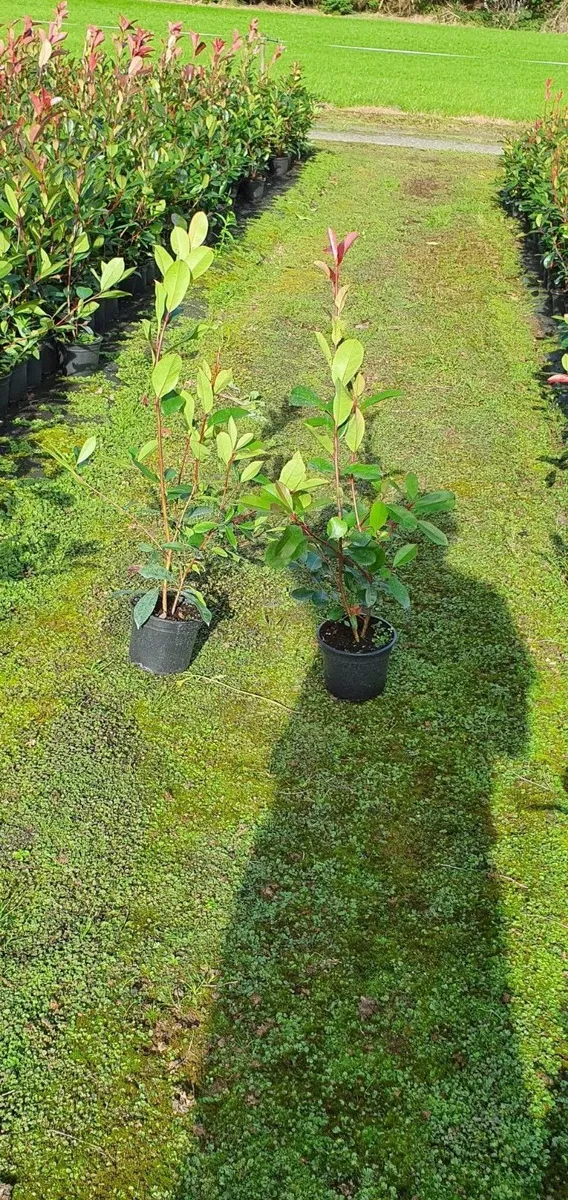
257	944
450	70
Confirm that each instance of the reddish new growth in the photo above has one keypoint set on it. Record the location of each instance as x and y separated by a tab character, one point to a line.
338	250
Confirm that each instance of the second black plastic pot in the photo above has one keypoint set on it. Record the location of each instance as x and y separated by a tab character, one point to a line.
18	381
253	190
33	374
49	359
355	677
280	165
110	308
4	393
163	646
78	358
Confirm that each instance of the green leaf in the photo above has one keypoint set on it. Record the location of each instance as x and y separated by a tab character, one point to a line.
304	397
411	486
154	571
293	472
435	535
198	600
12	199
250	471
324	347
160	301
342	405
288	547
378	515
144	470
145	606
336	528
259	501
222	415
321	464
405	555
111	273
147	449
432	502
224	447
222	379
199	261
355	430
204	390
402	516
389	394
171	404
368	471
163	259
81	245
198	228
166	374
87	449
179	240
188	408
176	282
398	591
347	361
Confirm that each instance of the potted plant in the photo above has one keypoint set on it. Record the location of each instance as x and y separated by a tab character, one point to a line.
195	478
346	551
80	345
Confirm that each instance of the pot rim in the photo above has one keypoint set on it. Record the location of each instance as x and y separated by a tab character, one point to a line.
165	622
354	654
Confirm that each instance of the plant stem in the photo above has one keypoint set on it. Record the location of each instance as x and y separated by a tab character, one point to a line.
161	478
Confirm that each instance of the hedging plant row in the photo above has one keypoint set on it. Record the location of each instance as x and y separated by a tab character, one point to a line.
535	190
99	154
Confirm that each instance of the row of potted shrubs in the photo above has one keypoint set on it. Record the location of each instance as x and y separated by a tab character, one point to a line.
51	354
99	153
341	524
535	191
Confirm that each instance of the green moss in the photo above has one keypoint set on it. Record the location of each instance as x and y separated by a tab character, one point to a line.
203	877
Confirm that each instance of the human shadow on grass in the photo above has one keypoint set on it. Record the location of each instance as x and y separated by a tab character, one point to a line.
362	1043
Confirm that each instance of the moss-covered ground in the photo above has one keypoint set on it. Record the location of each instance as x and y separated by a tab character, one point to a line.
256	943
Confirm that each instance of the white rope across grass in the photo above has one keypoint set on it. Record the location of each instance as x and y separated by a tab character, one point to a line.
544	62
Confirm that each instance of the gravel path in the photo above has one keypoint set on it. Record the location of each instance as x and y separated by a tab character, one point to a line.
401	139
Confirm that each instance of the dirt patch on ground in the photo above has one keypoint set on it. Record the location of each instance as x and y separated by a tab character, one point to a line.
421	187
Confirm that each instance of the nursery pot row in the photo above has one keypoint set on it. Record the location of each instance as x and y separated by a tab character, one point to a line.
27	375
165	645
253	188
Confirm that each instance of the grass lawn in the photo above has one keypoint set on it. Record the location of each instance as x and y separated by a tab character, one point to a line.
256	944
493	73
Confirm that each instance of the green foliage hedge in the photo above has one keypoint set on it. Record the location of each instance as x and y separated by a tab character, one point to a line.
99	153
535	188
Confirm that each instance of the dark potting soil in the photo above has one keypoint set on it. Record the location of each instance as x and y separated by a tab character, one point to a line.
339	634
184	611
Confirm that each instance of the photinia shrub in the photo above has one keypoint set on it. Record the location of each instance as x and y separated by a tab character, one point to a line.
343	522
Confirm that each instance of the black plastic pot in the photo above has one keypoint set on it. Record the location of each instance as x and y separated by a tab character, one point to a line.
162	646
19	382
280	165
79	358
147	272
110	309
49	359
34	372
355	677
97	320
253	190
4	392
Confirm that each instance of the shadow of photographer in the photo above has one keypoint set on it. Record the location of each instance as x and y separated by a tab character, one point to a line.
362	1043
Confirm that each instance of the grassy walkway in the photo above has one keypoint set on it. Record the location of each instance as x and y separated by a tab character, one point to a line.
350	924
446	69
